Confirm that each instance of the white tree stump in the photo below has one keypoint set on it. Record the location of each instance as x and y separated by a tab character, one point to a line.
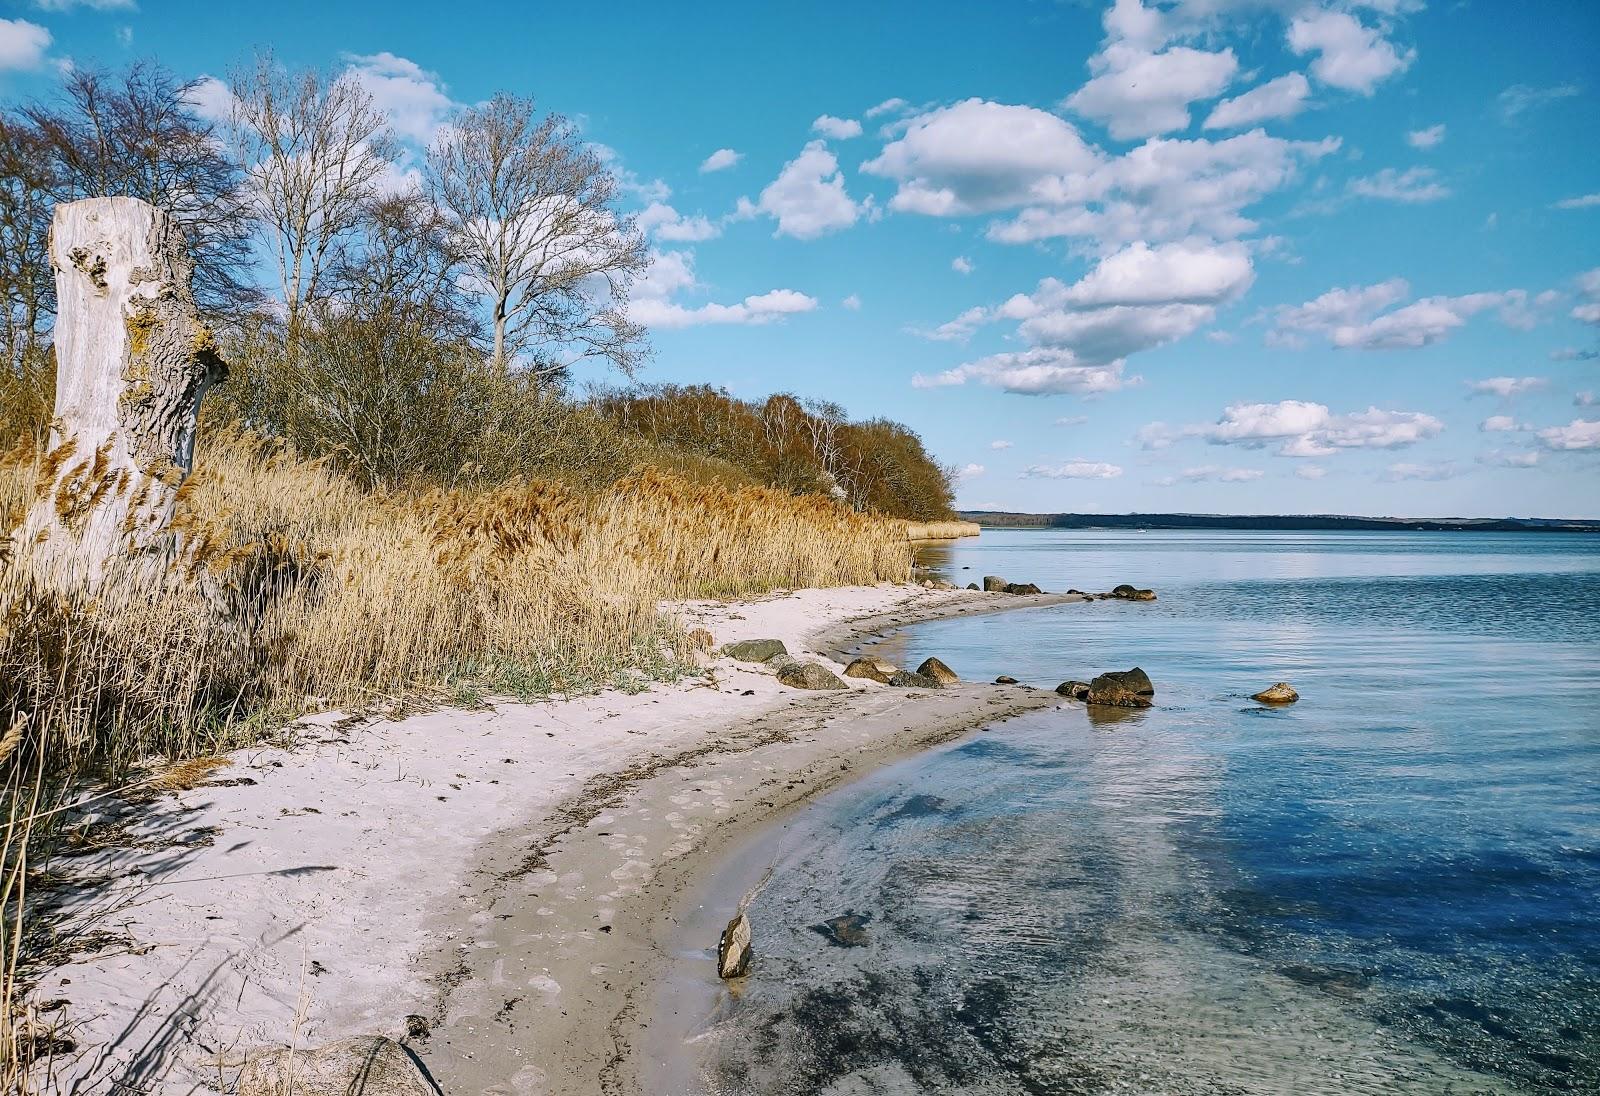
133	361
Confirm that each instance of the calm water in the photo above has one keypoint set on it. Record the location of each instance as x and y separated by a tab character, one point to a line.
1392	886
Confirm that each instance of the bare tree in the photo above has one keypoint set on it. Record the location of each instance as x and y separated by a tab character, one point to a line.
404	259
532	206
135	134
27	289
317	150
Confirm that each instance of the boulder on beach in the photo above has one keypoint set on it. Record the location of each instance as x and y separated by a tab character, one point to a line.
1077	690
905	679
944	675
755	650
368	1065
1130	593
733	948
1022	588
994	584
1112	692
972	586
809	675
872	669
1135	679
1005	679
1281	693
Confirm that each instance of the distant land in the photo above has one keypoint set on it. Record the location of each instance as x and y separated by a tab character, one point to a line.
992	519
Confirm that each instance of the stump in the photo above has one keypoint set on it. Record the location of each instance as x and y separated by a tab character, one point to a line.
133	361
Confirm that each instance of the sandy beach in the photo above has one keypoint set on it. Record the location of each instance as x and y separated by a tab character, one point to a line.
496	878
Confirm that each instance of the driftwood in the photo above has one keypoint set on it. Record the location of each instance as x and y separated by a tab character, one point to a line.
133	361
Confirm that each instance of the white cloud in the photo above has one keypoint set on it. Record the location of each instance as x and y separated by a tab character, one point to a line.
1500	424
672	273
1350	55
839	129
1578	434
1507	387
959	329
211	99
1430	137
1437	471
999	445
1137	94
1304	429
1192	272
888	106
1511	458
961	264
414	99
1213	473
1281	98
720	160
1416	184
1073	469
808	198
665	223
1072	420
1518	99
22	44
852	302
1037	372
96	5
1582	201
1588	309
1350	320
1416	325
1341	307
970	471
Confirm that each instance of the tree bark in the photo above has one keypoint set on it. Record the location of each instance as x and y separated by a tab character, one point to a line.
133	361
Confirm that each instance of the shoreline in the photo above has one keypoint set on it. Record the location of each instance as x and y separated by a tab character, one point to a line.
500	874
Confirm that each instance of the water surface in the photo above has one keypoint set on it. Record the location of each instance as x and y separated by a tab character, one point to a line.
1391	886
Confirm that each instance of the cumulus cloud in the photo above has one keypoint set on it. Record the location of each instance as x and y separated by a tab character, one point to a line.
1578	434
1073	469
1441	470
22	44
1417	184
852	302
1516	100
1500	424
1000	445
1281	98
970	471
1511	458
1212	473
1587	310
414	99
1136	93
961	264
1300	428
720	160
1192	272
211	99
672	273
1350	55
94	5
839	129
665	223
1507	387
1350	317
895	105
808	197
1038	372
1582	201
1429	137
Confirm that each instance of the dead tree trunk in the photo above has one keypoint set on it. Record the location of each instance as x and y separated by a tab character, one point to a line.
133	361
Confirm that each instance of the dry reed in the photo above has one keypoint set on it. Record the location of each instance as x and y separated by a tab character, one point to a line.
941	530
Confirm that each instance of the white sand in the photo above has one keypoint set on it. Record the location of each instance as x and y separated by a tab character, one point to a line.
369	873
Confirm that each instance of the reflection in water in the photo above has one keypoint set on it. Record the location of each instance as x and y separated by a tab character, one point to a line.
1388	887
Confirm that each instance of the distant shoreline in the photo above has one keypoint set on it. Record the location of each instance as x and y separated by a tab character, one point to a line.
990	519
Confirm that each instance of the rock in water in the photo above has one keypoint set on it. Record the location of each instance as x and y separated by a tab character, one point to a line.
755	650
1281	693
944	675
1112	693
733	948
1077	690
809	675
994	584
848	930
872	669
1129	593
368	1065
1005	679
1135	679
1022	588
905	679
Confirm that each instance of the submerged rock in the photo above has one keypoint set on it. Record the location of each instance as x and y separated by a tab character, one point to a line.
755	650
809	675
1077	690
733	948
944	675
1134	679
1281	693
1022	588
848	930
368	1065
1130	593
905	679
872	669
994	584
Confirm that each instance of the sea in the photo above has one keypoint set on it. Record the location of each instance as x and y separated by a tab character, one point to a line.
1391	886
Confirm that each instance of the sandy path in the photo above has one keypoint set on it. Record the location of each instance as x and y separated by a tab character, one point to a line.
399	868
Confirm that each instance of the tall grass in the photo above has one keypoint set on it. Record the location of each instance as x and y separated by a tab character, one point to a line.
941	530
291	588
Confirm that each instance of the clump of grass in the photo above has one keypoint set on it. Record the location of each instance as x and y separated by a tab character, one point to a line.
941	530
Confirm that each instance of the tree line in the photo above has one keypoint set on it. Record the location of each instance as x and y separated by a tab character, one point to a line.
411	316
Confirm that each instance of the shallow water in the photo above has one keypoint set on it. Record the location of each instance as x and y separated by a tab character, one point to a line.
1392	886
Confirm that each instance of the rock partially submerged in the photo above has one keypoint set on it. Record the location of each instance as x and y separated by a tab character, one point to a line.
1135	679
848	930
733	948
944	675
809	675
1022	588
1077	690
905	679
1113	692
1281	693
368	1065
756	650
872	669
1126	592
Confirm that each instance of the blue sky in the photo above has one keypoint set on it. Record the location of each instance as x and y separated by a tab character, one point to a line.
1204	255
